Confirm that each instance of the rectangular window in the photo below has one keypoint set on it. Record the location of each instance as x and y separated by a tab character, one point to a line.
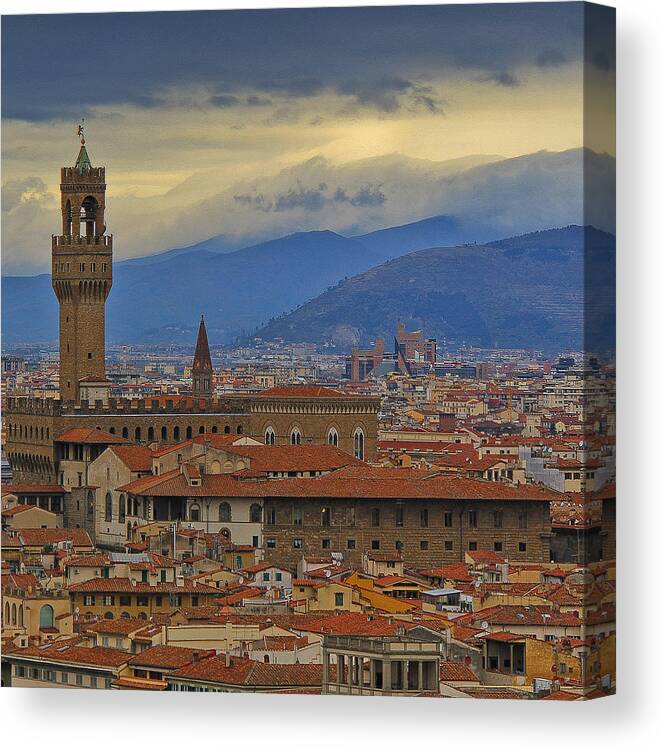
522	546
93	682
424	544
350	543
522	520
376	544
79	679
158	601
81	267
297	544
141	601
266	576
195	600
325	516
125	601
271	516
297	516
64	677
325	543
105	640
448	545
473	546
473	519
271	543
376	517
399	545
89	600
498	519
448	520
339	599
278	576
399	516
424	518
108	600
498	546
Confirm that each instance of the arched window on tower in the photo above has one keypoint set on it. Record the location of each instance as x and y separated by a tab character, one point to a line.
333	437
359	444
296	437
67	219
88	217
188	433
176	433
137	434
270	436
125	432
165	433
122	509
108	508
151	434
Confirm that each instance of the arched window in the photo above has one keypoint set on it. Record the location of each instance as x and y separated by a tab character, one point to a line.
67	219
137	434
188	434
122	509
255	513
227	429
296	437
214	429
108	508
108	615
111	431
151	434
165	433
46	616
125	432
13	614
20	616
225	513
270	436
91	505
142	616
87	217
359	444
176	433
333	437
124	615
202	430
239	429
194	512
7	620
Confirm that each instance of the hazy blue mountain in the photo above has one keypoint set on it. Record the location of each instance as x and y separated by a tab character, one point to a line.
162	301
551	290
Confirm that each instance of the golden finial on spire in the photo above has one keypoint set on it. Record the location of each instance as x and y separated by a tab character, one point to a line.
79	132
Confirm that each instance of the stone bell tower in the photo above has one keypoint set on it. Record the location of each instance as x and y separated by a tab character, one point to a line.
82	274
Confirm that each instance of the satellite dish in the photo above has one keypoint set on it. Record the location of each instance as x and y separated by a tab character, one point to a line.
484	624
76	610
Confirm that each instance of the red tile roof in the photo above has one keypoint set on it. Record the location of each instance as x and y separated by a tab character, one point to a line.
89	436
33	489
121	585
97	656
43	537
169	657
135	457
252	674
454	671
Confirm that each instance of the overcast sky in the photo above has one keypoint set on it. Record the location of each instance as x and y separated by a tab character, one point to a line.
215	109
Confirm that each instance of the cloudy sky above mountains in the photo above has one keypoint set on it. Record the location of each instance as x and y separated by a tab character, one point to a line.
257	123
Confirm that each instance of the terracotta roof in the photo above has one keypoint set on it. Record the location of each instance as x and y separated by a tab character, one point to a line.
121	585
253	674
10	512
561	695
120	626
33	489
43	537
88	435
135	457
174	484
98	656
21	581
455	671
169	657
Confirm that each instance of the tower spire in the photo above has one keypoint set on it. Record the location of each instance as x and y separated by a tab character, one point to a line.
202	365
